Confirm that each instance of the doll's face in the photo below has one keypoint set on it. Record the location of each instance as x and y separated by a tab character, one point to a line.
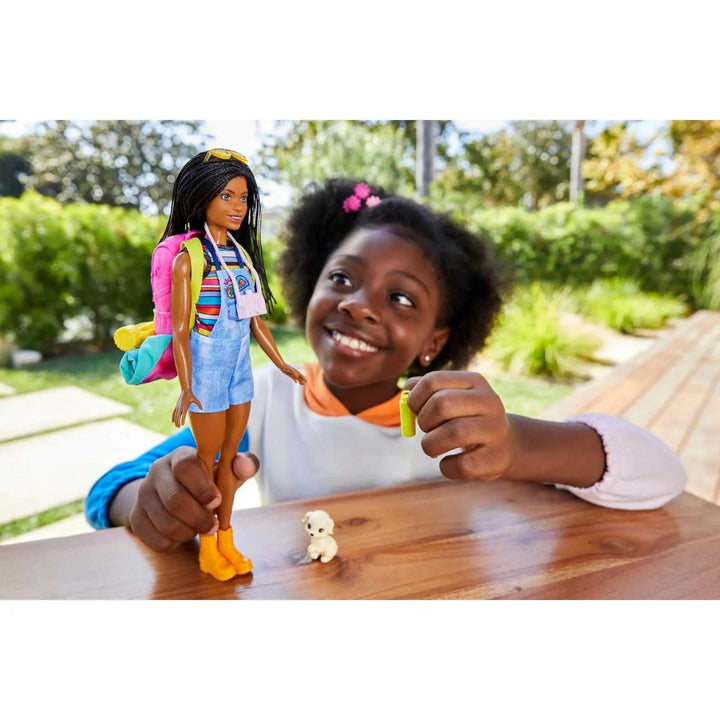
373	311
228	210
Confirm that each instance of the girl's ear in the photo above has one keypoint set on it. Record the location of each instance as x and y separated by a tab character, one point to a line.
435	344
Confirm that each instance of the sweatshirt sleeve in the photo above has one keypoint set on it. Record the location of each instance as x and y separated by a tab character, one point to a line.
642	472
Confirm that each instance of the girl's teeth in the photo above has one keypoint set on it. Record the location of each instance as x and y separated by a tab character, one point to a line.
352	343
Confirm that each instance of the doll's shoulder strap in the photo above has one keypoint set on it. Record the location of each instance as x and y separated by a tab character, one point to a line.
195	251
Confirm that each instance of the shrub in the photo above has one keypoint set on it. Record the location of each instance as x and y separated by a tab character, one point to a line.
658	243
530	339
621	305
61	262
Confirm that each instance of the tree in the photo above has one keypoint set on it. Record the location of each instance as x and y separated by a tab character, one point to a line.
380	152
14	167
619	164
578	154
125	163
528	162
695	160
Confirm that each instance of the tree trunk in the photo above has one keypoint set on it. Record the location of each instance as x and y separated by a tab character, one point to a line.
578	154
424	154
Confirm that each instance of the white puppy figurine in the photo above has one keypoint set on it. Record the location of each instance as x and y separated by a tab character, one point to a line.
319	526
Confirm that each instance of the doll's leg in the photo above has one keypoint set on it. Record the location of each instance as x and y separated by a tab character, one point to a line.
236	422
208	429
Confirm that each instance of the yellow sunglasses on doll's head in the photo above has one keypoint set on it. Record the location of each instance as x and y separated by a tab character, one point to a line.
223	154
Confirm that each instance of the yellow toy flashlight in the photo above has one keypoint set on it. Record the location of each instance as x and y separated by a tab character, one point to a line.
407	416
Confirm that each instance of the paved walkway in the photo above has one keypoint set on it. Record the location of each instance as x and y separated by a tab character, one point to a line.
54	444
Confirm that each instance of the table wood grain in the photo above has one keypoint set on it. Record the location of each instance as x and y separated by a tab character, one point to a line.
444	539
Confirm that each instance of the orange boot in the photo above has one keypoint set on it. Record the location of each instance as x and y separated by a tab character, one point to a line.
227	549
212	562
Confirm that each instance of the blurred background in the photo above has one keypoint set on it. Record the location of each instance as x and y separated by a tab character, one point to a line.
571	203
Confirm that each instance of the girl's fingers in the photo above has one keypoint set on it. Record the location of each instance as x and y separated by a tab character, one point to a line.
186	468
425	387
141	526
163	519
465	432
482	462
448	404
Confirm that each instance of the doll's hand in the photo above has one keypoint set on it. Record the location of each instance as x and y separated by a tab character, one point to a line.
461	410
293	374
177	499
185	400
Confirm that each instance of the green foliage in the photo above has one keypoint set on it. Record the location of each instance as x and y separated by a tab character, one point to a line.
527	163
271	252
619	304
530	339
704	266
123	163
649	240
74	261
311	151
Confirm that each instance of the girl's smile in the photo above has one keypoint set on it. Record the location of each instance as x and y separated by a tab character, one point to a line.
372	313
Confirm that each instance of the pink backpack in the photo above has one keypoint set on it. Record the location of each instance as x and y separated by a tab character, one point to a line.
148	346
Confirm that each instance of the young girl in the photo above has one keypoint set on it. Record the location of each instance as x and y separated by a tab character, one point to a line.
385	288
216	193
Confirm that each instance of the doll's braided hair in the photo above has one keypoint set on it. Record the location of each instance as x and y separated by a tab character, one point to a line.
197	184
471	281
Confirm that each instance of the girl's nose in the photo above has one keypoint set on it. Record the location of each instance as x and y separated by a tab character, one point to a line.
360	307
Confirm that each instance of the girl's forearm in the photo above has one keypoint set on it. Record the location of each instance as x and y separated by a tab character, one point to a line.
557	452
122	504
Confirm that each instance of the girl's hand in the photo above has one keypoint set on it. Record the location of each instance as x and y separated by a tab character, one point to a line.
185	400
461	410
177	499
293	373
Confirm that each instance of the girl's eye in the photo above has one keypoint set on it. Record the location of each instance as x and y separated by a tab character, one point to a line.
339	278
401	299
244	199
225	196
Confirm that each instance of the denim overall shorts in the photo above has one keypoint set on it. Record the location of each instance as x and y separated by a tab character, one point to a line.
221	370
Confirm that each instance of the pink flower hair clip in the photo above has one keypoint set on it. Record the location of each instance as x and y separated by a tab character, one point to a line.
353	203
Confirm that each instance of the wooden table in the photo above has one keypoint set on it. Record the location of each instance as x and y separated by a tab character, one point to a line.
445	539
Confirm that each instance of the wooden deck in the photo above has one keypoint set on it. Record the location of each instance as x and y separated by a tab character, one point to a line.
673	390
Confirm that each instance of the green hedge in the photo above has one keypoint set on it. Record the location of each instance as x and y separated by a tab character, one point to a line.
67	261
659	244
59	262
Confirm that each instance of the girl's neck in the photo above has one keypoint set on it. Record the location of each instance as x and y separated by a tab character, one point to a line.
359	399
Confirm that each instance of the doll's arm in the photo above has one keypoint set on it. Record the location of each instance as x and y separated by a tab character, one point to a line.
180	308
261	333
